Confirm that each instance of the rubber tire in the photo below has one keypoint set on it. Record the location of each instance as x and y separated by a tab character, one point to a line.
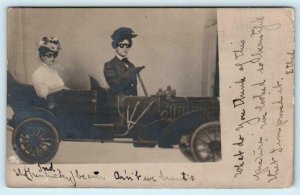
215	125
28	157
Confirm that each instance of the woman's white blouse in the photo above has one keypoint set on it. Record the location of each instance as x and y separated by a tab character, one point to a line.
46	80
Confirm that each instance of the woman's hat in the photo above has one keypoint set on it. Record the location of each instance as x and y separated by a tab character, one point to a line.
122	33
52	43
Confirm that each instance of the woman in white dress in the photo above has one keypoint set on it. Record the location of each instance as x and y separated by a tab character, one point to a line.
45	79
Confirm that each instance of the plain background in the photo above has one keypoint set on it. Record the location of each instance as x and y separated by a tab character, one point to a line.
177	46
5	3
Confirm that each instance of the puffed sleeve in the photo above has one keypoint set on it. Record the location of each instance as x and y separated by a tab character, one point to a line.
40	89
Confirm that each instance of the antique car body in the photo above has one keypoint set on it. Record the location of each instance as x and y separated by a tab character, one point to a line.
96	115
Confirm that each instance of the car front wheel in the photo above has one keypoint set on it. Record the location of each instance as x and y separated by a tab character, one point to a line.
35	140
206	142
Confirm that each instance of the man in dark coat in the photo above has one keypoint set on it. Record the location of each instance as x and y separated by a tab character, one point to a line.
121	74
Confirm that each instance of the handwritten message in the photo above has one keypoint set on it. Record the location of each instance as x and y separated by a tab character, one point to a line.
52	173
261	98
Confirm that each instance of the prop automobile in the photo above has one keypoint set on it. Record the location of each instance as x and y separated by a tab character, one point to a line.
96	115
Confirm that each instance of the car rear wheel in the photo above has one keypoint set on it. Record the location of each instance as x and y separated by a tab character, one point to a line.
206	142
35	140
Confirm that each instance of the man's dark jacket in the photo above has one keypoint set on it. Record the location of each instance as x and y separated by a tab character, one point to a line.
122	80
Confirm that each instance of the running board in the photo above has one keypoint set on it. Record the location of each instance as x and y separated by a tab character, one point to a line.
116	140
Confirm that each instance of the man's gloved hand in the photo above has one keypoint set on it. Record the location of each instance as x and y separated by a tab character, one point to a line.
138	69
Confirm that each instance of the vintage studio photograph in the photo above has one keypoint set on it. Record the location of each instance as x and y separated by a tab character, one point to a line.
113	85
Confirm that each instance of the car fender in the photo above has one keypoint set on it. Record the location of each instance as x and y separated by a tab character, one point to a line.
22	113
185	125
